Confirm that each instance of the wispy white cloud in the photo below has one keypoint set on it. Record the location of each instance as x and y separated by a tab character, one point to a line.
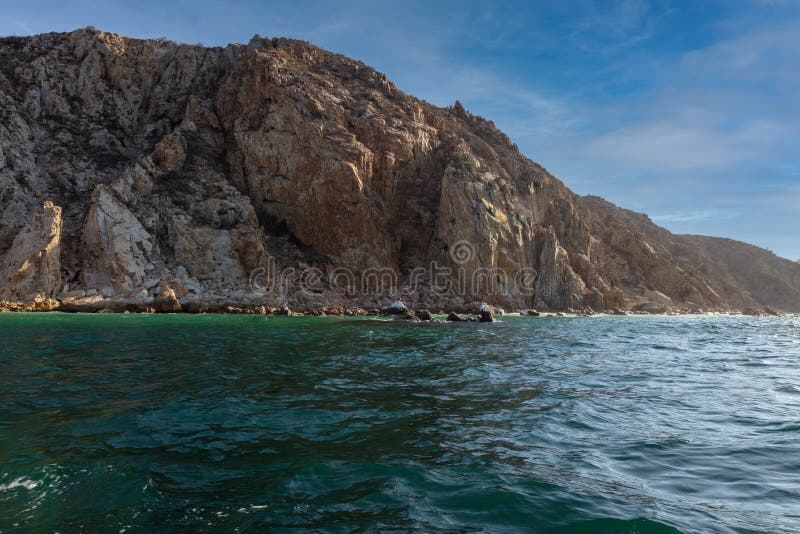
766	55
602	30
700	118
693	216
686	142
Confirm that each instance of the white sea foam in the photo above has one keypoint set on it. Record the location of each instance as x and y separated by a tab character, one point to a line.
21	482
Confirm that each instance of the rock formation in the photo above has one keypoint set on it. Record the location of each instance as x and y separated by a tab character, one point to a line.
558	286
190	177
31	267
770	280
115	244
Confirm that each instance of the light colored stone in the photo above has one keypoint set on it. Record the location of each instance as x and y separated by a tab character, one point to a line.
166	301
557	287
32	268
116	246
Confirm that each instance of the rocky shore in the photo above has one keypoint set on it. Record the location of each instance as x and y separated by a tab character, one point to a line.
477	312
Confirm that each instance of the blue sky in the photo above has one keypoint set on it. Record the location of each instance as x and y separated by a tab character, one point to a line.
687	111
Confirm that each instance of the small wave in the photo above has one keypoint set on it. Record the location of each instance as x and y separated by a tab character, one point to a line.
378	425
759	362
633	526
21	482
662	347
782	427
582	344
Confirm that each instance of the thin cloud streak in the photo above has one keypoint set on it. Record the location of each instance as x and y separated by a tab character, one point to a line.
694	216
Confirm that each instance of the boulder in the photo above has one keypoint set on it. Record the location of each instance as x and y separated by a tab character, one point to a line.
167	302
396	308
651	307
424	315
485	314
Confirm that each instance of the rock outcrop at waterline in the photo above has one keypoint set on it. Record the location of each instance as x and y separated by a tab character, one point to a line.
180	171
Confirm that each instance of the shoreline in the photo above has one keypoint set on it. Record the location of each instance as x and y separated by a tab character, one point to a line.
166	302
438	316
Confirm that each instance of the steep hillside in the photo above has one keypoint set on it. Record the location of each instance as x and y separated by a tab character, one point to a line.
657	266
769	279
135	173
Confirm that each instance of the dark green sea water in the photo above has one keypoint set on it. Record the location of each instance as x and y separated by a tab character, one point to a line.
615	424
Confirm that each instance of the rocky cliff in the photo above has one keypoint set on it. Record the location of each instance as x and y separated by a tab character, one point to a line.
660	269
770	280
136	172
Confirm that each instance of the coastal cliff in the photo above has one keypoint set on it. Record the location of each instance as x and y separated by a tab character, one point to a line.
145	174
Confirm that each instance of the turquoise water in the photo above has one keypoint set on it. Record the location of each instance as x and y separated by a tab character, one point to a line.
606	424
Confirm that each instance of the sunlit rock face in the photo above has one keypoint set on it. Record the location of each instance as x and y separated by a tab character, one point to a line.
31	268
191	168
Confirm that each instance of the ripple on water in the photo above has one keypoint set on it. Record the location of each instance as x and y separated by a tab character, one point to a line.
617	424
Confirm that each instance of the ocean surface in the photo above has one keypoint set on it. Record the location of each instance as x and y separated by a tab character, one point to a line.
151	423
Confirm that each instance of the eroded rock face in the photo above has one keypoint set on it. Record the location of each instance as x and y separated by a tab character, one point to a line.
558	287
116	247
196	168
31	268
771	280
